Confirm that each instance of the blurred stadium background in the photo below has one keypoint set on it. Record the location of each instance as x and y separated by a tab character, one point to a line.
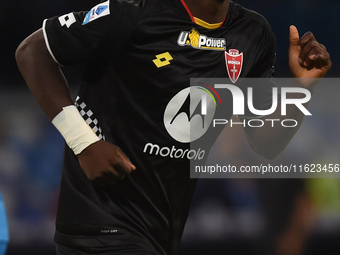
228	216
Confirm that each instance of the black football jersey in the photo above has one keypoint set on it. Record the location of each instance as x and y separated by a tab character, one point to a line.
140	56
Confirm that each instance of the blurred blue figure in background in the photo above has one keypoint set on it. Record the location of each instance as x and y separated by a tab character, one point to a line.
4	235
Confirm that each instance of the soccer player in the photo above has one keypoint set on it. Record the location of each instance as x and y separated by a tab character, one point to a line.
125	185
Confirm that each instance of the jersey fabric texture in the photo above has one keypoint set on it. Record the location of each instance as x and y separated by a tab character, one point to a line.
139	55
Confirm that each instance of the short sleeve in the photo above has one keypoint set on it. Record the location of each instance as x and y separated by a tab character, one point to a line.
76	37
266	54
262	82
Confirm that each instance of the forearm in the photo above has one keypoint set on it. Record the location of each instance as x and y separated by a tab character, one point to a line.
101	161
273	137
42	75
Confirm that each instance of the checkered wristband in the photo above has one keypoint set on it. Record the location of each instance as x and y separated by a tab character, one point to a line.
75	130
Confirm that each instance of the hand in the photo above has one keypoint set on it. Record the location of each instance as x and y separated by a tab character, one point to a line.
307	57
105	163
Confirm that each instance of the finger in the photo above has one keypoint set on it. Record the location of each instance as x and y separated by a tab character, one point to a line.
323	47
310	49
308	36
120	165
125	159
321	60
312	57
115	175
307	42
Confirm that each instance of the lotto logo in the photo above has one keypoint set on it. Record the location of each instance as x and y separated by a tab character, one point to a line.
162	59
67	20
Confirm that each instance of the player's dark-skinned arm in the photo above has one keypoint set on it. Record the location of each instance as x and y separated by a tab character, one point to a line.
307	59
101	161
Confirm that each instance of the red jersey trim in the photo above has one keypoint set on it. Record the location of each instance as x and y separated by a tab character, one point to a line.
192	17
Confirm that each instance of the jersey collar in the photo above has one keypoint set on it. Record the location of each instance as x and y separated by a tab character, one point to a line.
207	25
199	21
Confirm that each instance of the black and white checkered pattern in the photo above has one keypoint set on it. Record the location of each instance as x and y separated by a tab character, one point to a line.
89	117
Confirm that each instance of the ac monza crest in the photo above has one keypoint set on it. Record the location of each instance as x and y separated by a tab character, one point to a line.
234	62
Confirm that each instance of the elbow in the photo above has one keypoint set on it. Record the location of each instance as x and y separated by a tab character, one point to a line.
21	53
24	54
31	48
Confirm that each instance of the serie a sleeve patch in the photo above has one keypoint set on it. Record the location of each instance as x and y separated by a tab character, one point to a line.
97	12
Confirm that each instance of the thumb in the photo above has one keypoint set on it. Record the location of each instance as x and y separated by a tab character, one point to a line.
294	37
